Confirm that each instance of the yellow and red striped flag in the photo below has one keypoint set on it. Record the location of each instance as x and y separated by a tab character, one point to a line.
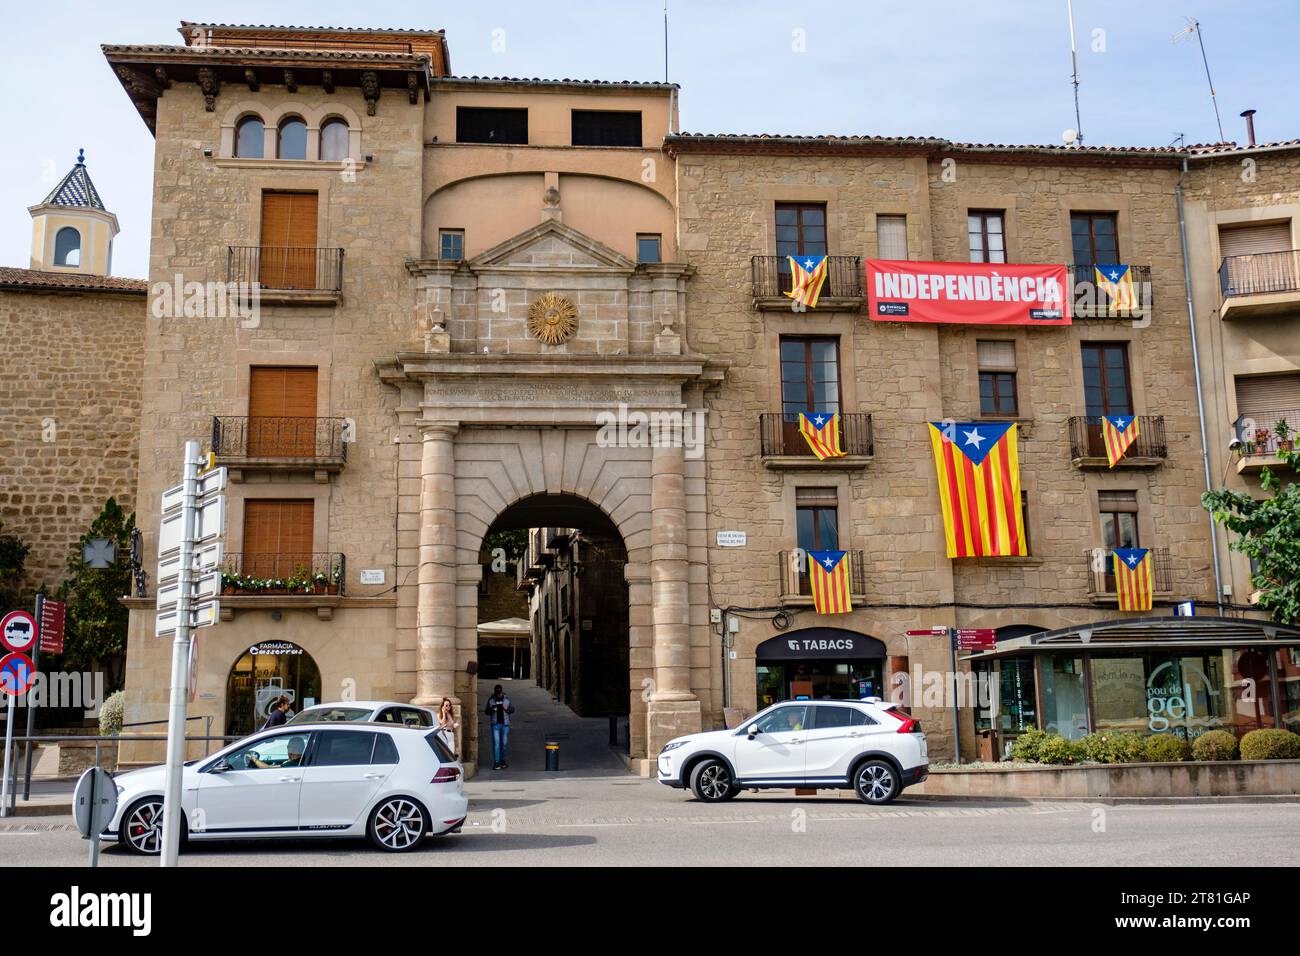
1133	578
808	274
822	432
828	574
1118	432
979	488
1117	282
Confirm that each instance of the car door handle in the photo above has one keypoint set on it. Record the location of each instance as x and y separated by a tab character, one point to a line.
374	776
289	779
796	740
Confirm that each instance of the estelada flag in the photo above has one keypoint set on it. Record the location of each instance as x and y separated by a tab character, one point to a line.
828	574
1133	578
979	487
1117	282
807	273
1118	432
822	432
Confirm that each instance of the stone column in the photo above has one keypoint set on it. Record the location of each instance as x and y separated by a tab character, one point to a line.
673	710
436	608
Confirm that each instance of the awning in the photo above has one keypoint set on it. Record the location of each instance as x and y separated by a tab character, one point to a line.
820	643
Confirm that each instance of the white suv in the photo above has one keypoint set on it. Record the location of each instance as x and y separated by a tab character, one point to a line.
871	746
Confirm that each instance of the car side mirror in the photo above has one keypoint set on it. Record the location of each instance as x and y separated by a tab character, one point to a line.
221	766
753	731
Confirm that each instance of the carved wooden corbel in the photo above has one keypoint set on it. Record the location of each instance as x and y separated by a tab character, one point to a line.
327	82
370	90
412	88
290	83
250	77
160	77
210	84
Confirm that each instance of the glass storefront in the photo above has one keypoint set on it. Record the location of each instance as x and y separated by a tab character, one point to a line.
818	680
1065	701
263	673
1017	700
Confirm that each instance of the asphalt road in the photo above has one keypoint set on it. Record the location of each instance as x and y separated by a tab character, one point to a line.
547	819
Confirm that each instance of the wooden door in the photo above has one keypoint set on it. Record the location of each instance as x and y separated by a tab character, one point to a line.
810	382
288	253
278	537
1106	389
282	412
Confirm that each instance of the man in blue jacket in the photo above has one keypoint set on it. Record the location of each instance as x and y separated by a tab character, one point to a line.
498	711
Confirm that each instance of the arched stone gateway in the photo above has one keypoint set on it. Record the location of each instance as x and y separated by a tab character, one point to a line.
606	418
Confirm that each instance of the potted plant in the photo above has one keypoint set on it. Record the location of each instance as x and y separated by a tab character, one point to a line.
1262	435
1284	434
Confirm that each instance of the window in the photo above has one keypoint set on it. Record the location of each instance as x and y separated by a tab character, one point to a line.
385	750
250	141
1119	519
67	247
987	242
816	519
481	125
800	230
828	718
451	244
406	716
334	140
810	375
647	247
287	258
1106	388
281	412
343	748
278	536
271	753
606	128
1095	239
783	720
997	372
291	139
891	237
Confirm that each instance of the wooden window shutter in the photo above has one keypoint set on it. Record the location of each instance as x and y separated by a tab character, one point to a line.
1251	240
1262	397
282	412
278	536
288	253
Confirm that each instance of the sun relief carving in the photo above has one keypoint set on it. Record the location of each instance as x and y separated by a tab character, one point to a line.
552	319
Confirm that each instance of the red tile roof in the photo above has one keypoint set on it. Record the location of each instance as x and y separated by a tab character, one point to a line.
33	280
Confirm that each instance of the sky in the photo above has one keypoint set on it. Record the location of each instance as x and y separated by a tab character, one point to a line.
993	71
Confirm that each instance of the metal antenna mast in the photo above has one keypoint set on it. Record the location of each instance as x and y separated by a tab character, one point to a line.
1074	65
1194	26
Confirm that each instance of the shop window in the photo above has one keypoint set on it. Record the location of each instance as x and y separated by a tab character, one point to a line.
997	375
1288	678
984	230
1065	707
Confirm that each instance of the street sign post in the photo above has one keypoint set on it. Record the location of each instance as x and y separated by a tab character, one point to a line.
50	617
16	677
94	802
976	639
189	545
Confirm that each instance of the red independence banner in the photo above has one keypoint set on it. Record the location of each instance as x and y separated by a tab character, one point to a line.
967	293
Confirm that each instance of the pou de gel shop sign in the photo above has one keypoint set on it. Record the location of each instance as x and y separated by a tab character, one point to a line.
967	293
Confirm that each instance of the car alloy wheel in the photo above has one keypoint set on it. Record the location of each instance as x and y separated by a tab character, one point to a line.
142	828
397	825
711	781
876	782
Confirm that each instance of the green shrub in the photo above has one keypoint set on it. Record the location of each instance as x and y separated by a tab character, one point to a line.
1058	750
1270	745
1165	748
1215	745
1118	747
111	714
1028	746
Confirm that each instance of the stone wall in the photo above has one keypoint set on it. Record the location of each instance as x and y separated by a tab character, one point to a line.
70	411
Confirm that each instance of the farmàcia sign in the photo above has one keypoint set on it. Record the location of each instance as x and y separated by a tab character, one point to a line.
967	293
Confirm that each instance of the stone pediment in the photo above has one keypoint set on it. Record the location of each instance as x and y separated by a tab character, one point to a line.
552	247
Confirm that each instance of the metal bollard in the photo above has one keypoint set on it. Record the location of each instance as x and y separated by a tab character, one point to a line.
552	755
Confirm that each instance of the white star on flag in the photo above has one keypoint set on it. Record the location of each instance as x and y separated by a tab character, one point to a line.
829	564
1114	275
973	437
820	420
1132	560
1119	422
807	263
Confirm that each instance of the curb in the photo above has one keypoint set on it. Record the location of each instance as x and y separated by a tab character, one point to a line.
1116	801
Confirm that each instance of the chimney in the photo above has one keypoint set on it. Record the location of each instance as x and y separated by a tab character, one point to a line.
1250	126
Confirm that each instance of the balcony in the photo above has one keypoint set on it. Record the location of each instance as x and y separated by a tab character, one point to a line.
288	275
1261	284
280	444
273	580
781	445
770	279
1090	302
1101	574
1260	442
1088	448
793	574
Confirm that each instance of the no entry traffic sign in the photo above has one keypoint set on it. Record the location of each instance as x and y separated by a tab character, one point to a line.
17	674
18	631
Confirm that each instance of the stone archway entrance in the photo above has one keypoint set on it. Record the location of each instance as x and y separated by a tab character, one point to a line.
264	672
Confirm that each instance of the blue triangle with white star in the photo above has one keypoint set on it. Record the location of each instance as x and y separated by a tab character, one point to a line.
973	439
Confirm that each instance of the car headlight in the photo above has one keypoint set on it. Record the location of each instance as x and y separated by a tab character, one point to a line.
673	746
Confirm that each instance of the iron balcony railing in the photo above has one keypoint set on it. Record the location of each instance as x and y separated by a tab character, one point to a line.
770	277
1101	571
794	573
1091	301
286	268
1086	440
271	573
1259	273
779	434
237	438
1258	434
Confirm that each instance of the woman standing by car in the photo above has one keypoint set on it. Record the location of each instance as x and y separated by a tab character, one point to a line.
447	725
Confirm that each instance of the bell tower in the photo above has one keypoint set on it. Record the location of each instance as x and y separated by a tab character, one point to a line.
71	229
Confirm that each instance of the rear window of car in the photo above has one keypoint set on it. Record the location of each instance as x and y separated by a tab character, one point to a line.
385	750
343	748
313	714
407	716
439	748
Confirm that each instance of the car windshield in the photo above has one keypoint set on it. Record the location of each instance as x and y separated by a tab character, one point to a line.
312	714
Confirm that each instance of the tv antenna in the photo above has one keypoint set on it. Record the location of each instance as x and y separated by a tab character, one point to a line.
1194	27
1074	137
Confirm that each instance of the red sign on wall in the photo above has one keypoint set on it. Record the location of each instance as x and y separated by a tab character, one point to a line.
967	293
53	614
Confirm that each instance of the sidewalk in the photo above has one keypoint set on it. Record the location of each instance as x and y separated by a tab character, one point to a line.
584	741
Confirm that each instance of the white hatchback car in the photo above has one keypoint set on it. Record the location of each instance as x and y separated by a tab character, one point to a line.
870	746
392	783
381	711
